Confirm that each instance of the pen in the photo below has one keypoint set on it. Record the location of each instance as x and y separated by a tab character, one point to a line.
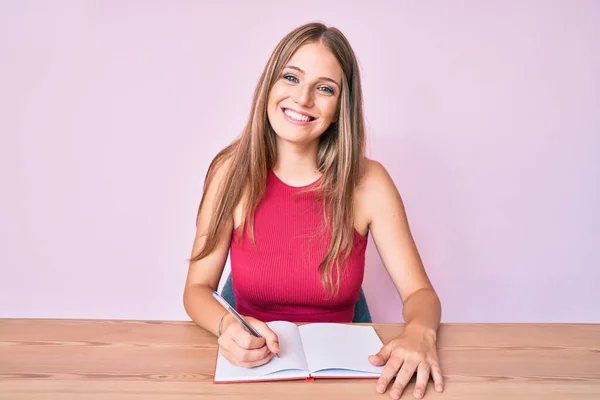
237	316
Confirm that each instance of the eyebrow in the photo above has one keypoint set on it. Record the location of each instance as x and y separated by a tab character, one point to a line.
321	77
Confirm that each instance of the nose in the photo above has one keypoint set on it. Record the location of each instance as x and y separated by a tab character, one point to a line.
303	95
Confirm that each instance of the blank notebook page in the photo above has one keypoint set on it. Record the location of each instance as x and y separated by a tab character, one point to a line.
290	364
340	347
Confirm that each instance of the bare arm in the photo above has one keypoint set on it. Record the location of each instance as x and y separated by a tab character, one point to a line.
397	249
414	351
203	275
235	343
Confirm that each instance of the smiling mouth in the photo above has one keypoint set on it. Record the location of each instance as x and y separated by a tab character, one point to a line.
296	116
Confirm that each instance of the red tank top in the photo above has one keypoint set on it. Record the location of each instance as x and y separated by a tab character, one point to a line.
279	278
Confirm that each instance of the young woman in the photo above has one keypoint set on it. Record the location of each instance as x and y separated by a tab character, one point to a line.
293	200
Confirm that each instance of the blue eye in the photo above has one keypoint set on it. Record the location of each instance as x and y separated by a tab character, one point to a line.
327	89
290	78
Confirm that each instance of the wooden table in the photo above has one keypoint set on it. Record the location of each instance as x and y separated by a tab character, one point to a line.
98	359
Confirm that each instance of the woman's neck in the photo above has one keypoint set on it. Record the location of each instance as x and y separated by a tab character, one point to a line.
296	166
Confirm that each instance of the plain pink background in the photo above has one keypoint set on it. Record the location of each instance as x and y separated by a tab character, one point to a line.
486	114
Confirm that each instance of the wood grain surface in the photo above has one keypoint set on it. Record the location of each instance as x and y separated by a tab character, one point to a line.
108	359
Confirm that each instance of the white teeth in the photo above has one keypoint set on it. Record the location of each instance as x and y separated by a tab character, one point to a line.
296	116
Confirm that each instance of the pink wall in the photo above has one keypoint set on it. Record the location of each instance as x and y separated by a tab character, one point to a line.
485	114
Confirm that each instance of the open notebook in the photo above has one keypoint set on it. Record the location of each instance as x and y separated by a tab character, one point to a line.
318	350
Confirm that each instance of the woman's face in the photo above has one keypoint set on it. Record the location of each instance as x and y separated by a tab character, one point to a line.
304	99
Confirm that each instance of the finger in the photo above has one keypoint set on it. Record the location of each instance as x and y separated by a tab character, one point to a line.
404	374
239	361
258	363
269	336
436	374
422	379
244	356
244	339
381	357
228	342
228	356
389	371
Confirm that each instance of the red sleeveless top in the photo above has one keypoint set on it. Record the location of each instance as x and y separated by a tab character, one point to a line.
279	278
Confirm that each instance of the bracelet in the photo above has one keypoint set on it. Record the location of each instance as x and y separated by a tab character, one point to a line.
221	324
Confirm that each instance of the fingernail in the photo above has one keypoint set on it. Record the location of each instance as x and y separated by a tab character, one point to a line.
395	394
380	388
438	387
418	394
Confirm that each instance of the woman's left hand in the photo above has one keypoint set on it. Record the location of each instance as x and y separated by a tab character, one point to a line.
414	350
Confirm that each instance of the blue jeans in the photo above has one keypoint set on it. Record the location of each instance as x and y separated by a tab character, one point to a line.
361	309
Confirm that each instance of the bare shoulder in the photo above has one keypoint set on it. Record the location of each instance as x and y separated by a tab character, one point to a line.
212	191
376	187
216	172
238	210
375	193
375	175
381	205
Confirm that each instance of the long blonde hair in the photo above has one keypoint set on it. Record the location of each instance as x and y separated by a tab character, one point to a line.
340	157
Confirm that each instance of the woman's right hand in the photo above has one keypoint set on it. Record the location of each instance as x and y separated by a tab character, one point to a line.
241	348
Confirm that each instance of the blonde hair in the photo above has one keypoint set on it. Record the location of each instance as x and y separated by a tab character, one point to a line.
340	157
